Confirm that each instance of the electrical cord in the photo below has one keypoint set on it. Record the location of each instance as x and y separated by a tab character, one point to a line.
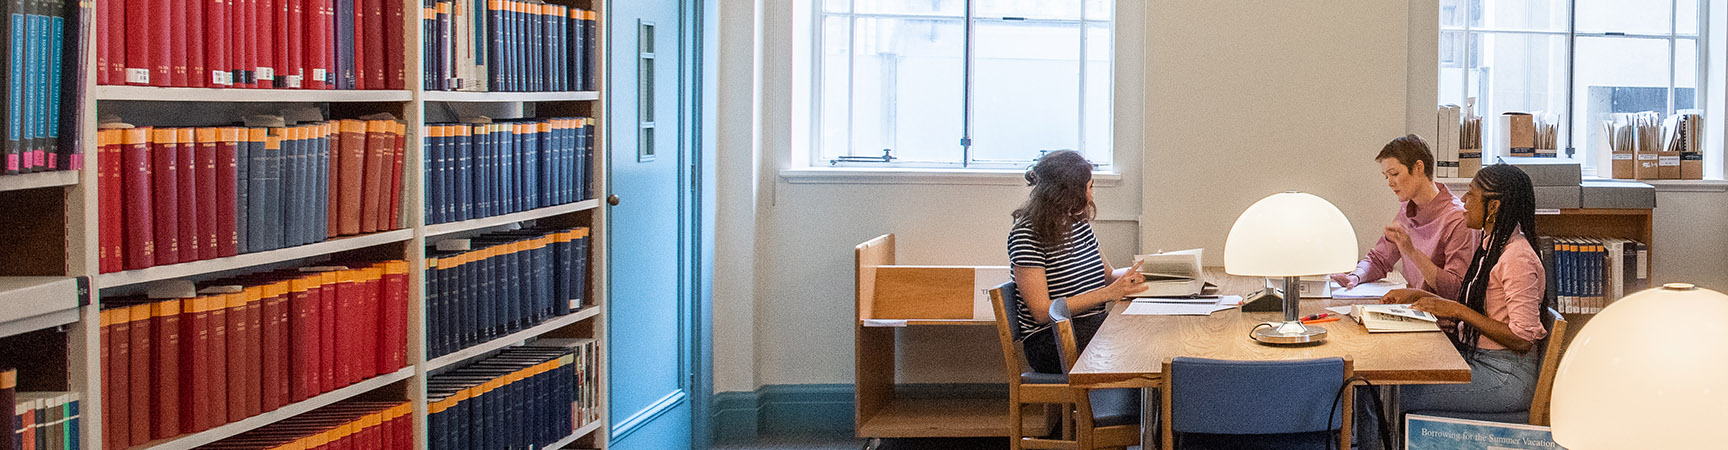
1379	422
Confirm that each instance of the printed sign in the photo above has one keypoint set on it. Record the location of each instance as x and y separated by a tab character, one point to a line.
1442	433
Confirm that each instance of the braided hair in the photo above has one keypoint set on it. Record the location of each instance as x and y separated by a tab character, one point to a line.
1058	199
1511	187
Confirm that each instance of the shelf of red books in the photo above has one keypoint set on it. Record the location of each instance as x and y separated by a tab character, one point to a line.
194	440
176	94
246	260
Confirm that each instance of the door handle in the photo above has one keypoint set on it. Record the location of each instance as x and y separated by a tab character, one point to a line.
612	199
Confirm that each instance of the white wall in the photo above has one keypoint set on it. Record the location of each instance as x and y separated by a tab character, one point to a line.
1241	100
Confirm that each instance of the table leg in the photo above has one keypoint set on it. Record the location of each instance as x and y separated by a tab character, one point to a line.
1389	413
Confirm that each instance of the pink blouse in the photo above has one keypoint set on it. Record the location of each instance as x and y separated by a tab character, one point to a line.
1436	228
1515	288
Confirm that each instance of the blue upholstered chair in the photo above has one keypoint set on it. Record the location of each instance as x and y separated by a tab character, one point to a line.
1104	418
1029	388
1537	413
1217	404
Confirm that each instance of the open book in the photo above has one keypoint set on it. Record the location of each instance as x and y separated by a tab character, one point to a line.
1171	274
1398	318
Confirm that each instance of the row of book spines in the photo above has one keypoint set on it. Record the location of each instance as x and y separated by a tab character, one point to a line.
145	172
310	44
248	350
462	415
44	421
471	299
452	262
33	76
343	426
547	162
518	46
1585	281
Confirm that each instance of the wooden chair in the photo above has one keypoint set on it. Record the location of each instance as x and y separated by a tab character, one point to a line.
1539	401
1104	418
1027	388
1292	404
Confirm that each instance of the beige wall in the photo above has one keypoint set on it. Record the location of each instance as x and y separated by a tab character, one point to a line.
1219	104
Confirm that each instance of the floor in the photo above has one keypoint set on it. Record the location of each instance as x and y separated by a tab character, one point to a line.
847	442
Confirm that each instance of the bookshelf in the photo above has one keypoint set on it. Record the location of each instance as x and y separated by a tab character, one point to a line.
50	280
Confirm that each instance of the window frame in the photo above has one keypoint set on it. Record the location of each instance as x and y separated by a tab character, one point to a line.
967	160
1571	151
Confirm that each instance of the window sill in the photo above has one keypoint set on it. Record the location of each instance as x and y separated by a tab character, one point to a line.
964	177
1459	184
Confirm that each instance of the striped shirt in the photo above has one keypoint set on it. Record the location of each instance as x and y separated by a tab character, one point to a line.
1073	268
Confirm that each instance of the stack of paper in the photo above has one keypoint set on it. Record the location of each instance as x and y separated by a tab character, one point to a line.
1365	290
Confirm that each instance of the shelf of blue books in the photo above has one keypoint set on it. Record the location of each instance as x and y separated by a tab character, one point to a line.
1597	225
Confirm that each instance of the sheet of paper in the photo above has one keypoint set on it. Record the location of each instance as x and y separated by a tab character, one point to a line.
1365	290
1230	300
1172	309
884	323
1340	310
983	280
1194	300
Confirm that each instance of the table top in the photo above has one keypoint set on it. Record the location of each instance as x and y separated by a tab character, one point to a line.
1129	351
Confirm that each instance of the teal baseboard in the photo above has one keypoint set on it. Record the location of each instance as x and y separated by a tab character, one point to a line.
786	408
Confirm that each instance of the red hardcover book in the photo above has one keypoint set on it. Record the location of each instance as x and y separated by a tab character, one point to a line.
279	35
164	157
296	31
332	180
264	30
116	42
347	298
303	300
140	66
238	353
375	43
218	72
312	50
209	238
191	236
395	315
327	63
227	183
359	19
142	355
135	179
162	36
353	140
254	350
116	429
178	36
114	204
373	354
399	151
330	292
103	65
195	364
217	303
378	143
107	141
247	38
271	339
165	392
394	46
197	74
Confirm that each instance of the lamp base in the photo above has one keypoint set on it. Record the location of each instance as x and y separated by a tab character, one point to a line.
1286	334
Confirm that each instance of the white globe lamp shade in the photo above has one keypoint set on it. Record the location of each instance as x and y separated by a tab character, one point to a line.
1649	371
1290	234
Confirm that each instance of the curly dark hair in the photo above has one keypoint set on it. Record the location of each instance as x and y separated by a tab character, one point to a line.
1058	199
1511	187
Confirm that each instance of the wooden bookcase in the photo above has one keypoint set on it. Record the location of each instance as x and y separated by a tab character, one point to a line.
53	220
1634	224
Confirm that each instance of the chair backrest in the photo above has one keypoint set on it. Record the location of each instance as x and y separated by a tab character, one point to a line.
1008	327
1066	345
1256	397
1551	349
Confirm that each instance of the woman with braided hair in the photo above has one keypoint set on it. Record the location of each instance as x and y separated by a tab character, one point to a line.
1498	318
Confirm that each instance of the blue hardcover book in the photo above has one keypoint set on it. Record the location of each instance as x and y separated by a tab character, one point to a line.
483	173
567	172
345	77
324	158
542	166
536	48
289	208
449	170
16	26
433	166
31	54
494	48
56	30
243	184
259	206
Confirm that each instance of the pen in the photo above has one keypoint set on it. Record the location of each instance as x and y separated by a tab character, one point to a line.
1328	319
1316	317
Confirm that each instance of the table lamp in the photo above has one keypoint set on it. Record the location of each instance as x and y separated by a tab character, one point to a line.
1649	371
1290	235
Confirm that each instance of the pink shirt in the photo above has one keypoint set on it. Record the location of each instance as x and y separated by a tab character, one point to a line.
1514	294
1437	229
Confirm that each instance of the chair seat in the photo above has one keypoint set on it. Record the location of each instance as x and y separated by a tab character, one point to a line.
1112	407
1519	417
1043	378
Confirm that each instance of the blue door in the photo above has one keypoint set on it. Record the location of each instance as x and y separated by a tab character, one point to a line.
650	316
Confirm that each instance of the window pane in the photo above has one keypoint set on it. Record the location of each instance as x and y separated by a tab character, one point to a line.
952	8
1452	14
835	135
1687	17
1026	89
837	6
1625	16
906	87
1030	9
1097	117
1685	70
1517	72
1452	67
1617	75
1534	15
1100	9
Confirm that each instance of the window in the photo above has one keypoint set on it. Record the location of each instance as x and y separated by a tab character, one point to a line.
957	83
1580	60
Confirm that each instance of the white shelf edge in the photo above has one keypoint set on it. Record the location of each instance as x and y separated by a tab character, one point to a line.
458	96
38	180
590	428
245	260
189	441
486	222
511	339
175	94
38	322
